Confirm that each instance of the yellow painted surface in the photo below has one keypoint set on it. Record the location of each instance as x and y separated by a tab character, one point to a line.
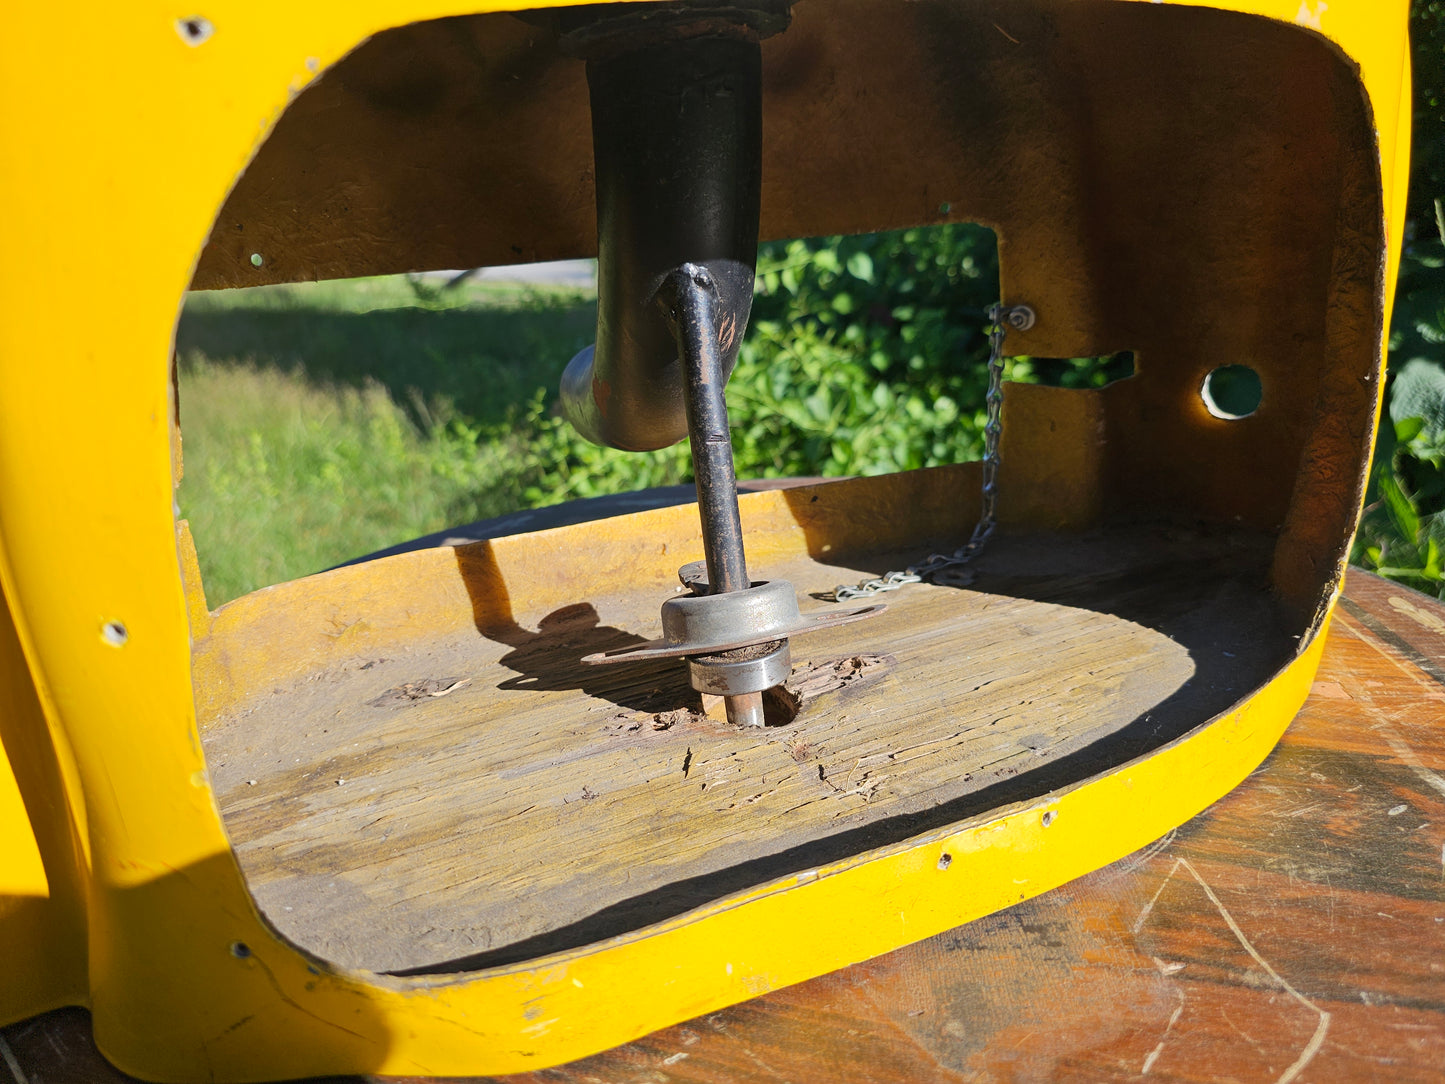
118	142
22	874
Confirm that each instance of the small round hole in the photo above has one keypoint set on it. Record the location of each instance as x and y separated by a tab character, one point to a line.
240	950
780	706
944	861
194	30
114	633
1232	392
256	260
1048	817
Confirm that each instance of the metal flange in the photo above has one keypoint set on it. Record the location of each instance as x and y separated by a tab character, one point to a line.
711	624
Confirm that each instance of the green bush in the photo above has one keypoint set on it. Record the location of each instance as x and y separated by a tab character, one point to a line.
864	355
1403	528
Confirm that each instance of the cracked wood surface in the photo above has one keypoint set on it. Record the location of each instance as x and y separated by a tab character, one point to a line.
479	797
1293	931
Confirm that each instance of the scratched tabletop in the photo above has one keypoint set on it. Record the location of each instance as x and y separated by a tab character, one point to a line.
1294	931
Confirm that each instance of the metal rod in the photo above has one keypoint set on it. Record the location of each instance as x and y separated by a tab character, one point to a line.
688	296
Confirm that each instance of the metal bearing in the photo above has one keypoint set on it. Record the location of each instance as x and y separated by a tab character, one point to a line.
743	670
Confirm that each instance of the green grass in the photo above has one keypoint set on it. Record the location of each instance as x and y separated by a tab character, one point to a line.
323	421
285	477
473	351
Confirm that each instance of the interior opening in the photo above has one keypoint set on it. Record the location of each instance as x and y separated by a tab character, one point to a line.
365	728
325	421
1231	392
1086	372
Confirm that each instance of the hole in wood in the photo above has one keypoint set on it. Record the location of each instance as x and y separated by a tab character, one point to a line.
1232	392
780	706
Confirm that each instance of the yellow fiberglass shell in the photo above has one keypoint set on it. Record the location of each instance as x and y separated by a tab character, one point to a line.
124	128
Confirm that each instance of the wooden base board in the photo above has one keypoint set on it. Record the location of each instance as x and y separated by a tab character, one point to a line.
475	799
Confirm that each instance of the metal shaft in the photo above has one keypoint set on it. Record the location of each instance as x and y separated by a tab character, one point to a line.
689	298
677	142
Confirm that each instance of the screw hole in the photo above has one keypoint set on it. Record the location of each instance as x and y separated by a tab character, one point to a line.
194	30
1232	392
780	706
114	633
1048	817
240	950
945	860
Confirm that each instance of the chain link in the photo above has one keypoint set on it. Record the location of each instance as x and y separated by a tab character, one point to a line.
942	567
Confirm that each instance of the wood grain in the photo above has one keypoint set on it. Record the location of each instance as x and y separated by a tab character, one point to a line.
482	798
1297	926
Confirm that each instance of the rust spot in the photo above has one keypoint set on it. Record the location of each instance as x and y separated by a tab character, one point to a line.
727	331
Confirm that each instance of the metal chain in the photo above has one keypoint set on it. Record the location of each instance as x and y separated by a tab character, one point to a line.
939	567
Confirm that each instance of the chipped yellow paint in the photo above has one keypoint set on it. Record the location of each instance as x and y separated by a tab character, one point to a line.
118	143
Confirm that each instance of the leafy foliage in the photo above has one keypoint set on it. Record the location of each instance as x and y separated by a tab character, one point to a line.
864	355
1403	527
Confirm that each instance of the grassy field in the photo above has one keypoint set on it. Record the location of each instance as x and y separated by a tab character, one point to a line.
322	421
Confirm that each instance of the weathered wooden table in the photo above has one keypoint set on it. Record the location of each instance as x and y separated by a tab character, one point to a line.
1293	931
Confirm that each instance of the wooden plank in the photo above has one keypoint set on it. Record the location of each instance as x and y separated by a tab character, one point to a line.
481	798
1175	959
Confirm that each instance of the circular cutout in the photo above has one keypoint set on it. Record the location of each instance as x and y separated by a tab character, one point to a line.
114	633
195	30
1232	392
